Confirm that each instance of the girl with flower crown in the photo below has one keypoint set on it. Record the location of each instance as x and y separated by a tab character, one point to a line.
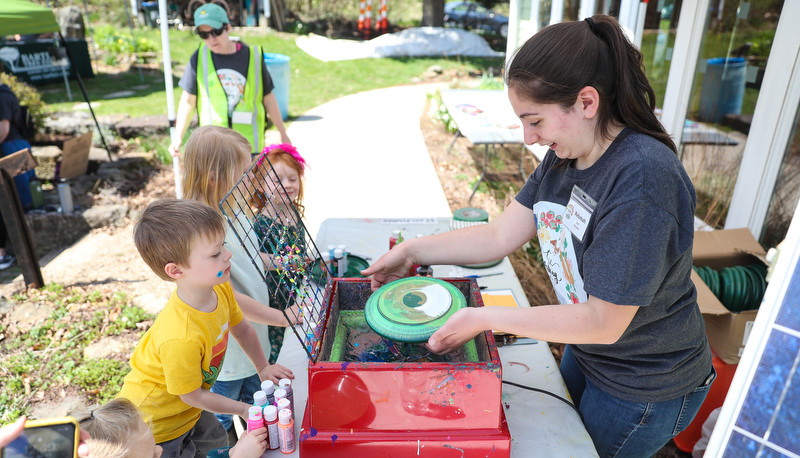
278	205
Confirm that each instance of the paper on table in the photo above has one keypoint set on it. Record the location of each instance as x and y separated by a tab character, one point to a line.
501	297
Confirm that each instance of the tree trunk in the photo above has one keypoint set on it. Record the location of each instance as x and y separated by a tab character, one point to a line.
433	13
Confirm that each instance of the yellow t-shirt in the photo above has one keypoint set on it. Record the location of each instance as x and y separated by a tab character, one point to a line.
181	352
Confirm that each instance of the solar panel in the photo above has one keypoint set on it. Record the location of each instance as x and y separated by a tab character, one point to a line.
761	413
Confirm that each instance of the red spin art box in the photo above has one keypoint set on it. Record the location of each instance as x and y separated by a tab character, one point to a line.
404	407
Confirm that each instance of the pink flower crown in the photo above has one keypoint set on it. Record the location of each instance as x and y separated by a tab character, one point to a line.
285	147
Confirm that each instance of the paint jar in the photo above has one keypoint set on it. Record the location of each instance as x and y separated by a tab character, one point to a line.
286	384
284	404
254	418
280	393
395	238
286	431
260	399
65	196
271	420
268	387
337	256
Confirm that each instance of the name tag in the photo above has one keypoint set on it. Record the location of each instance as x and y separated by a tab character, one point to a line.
242	117
578	211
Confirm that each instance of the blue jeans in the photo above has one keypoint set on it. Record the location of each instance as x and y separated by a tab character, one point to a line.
21	180
621	428
239	390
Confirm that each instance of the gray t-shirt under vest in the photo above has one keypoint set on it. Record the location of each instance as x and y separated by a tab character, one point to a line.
636	250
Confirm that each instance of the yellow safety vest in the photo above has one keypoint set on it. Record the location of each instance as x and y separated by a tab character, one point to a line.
248	116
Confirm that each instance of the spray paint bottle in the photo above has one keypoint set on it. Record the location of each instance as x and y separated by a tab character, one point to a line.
286	431
271	421
268	387
286	384
254	418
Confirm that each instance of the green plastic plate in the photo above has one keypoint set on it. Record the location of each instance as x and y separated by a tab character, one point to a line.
412	309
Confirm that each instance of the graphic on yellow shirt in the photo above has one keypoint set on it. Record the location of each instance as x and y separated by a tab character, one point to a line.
558	253
217	358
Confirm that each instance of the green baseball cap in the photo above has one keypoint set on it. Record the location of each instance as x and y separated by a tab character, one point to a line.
210	14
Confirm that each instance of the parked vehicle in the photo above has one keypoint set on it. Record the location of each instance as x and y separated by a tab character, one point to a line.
472	15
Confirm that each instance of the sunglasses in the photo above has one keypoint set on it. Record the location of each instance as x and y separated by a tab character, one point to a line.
216	32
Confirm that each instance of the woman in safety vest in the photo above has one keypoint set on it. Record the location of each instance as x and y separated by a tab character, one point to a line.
228	82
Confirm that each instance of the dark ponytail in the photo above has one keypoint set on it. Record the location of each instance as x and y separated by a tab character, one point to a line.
561	59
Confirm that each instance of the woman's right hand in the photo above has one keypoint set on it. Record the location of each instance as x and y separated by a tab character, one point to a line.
392	266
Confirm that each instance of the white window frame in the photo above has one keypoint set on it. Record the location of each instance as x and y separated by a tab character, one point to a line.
773	121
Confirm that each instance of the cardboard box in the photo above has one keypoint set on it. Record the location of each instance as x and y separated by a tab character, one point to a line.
727	331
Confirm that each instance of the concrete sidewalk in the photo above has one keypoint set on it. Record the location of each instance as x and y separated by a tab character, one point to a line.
367	157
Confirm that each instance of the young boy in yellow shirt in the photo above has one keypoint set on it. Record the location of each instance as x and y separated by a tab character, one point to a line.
179	357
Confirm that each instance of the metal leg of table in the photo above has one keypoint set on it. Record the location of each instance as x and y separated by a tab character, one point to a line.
458	134
483	172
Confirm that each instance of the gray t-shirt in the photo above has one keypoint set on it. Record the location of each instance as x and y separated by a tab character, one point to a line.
232	74
636	250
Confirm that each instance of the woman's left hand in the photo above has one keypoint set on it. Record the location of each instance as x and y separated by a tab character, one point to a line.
458	329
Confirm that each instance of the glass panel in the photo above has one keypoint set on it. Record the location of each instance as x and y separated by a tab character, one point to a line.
658	40
733	57
784	199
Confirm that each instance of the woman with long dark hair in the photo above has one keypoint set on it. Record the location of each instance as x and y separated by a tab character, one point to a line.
613	211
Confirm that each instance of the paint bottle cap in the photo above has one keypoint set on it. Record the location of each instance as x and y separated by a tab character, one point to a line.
270	413
268	387
284	382
284	404
260	398
285	416
342	247
254	413
396	232
331	247
337	253
419	235
280	393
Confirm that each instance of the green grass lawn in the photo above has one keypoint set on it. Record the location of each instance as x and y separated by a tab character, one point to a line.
312	82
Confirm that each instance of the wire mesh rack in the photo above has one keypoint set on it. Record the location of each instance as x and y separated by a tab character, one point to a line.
270	228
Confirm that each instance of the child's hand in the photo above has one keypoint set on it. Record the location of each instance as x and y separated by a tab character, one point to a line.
275	372
251	445
295	312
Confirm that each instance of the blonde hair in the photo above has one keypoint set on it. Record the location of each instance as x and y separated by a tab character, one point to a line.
112	428
278	156
168	229
213	162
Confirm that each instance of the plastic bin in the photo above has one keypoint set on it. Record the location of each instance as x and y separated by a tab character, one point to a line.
150	13
723	88
278	67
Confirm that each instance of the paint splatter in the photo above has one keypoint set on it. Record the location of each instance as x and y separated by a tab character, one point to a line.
333	439
514	363
454	448
344	365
